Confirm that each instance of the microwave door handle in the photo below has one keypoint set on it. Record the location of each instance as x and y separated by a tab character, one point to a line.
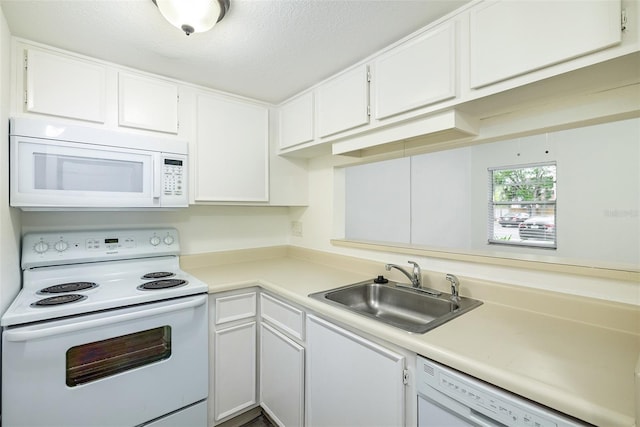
157	175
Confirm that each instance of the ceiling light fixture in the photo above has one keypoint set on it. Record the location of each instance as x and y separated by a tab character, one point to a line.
193	16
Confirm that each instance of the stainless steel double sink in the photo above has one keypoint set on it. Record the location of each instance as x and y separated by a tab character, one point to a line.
412	309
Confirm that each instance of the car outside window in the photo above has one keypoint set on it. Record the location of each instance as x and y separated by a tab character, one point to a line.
522	205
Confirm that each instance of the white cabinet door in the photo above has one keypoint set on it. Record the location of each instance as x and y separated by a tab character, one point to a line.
232	150
234	370
418	73
281	377
351	381
509	38
296	121
62	86
343	102
147	103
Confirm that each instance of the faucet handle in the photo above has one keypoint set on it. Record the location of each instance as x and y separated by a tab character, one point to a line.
455	285
417	273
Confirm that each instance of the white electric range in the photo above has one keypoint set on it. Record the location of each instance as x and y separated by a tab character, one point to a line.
107	324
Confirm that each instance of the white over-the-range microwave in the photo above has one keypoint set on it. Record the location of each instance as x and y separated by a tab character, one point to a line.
55	166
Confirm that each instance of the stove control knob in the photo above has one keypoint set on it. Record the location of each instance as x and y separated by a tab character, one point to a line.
155	241
61	246
41	247
168	240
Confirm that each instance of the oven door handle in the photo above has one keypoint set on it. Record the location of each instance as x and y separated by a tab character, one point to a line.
26	334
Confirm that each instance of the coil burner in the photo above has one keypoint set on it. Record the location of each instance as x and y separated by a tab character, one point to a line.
162	284
158	275
59	300
68	287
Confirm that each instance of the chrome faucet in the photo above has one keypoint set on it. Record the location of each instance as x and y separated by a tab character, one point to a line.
455	286
416	277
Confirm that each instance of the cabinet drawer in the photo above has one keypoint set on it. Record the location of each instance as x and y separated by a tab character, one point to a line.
288	319
235	307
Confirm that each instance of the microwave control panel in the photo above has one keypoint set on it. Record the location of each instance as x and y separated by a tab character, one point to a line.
173	177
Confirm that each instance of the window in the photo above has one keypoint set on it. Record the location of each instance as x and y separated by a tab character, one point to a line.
522	205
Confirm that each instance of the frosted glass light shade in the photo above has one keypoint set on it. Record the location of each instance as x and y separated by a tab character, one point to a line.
193	16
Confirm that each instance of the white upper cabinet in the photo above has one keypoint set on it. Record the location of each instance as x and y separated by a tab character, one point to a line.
296	121
420	72
231	159
510	38
147	103
62	86
343	102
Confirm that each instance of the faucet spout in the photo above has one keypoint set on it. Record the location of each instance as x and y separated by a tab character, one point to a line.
415	276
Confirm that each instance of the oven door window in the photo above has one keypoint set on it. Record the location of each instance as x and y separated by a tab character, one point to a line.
101	359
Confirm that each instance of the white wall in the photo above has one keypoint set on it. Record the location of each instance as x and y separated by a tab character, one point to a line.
321	222
598	188
9	217
201	228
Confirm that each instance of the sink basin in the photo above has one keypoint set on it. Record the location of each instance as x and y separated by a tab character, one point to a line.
398	305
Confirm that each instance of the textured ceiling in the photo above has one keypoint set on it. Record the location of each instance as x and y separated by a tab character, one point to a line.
263	49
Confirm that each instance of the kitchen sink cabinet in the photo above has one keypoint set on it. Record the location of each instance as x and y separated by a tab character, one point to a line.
147	103
60	85
351	380
417	73
311	372
232	354
231	158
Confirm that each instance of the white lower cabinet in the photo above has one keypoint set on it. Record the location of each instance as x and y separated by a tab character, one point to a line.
351	381
281	377
311	371
232	355
282	358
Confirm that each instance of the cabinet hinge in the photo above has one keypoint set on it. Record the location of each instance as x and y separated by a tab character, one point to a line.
623	20
26	61
368	76
368	110
405	377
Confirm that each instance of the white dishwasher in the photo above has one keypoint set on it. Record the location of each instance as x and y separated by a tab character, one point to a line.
448	398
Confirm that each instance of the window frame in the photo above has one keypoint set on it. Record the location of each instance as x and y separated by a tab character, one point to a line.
492	204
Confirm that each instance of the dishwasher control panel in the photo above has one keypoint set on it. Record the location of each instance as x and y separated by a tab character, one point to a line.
441	384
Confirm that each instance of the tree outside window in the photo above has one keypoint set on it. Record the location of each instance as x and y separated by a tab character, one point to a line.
522	205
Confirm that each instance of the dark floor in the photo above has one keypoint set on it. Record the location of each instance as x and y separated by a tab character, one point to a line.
261	421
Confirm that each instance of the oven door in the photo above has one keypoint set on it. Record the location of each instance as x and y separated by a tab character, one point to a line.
117	368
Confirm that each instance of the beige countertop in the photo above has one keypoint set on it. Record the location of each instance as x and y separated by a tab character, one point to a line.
575	355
